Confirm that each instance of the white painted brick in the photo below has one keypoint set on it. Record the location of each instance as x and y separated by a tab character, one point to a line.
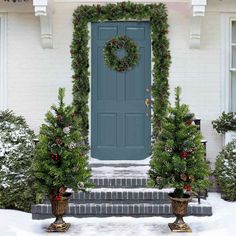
35	74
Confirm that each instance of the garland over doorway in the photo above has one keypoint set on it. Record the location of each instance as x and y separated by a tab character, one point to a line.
157	14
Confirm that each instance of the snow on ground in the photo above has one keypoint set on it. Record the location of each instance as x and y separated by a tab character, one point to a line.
222	223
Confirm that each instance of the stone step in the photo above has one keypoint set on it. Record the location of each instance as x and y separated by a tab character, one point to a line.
42	211
120	182
127	195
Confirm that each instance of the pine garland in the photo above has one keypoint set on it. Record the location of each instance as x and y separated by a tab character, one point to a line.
157	14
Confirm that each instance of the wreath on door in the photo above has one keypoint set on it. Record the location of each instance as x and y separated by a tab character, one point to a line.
125	63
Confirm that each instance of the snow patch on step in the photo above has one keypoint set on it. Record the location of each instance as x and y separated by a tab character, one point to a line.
110	171
118	162
166	190
191	204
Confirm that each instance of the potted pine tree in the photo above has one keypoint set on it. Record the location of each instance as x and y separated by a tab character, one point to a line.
178	161
60	160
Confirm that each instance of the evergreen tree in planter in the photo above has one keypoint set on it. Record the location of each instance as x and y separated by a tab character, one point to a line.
61	159
16	154
178	159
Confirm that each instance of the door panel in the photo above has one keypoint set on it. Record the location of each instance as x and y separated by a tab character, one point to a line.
120	129
107	130
134	130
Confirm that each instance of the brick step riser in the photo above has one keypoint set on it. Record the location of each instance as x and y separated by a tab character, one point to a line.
158	197
138	201
120	182
123	195
87	210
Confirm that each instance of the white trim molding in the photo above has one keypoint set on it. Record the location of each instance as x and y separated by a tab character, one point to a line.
226	22
3	61
44	9
198	8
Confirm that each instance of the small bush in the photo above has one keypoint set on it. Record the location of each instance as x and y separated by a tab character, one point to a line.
226	122
16	152
226	171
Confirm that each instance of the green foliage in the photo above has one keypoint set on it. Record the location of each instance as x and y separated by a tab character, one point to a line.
125	63
225	171
16	155
178	155
226	122
160	47
61	154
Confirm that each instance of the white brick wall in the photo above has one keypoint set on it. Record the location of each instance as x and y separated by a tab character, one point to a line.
34	74
197	71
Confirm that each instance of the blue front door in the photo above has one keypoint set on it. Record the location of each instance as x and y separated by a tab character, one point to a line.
120	120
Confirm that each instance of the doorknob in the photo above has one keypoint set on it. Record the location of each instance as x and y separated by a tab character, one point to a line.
147	104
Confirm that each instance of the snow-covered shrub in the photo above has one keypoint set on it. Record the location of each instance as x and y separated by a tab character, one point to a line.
226	122
226	171
16	152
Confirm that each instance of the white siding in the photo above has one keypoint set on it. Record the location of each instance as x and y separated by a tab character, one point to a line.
197	71
34	74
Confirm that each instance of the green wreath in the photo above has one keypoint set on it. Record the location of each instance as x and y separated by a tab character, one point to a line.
128	61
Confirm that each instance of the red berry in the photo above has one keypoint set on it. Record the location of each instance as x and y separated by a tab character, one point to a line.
58	197
187	187
184	154
58	141
53	156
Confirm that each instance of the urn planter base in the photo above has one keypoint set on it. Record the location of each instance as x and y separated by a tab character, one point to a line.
180	227
58	227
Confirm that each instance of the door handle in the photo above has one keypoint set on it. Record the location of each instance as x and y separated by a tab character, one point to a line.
147	104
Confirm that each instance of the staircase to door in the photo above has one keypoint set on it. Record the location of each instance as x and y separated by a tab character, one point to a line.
121	191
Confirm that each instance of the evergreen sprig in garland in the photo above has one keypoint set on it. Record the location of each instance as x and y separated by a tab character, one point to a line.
125	63
160	48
